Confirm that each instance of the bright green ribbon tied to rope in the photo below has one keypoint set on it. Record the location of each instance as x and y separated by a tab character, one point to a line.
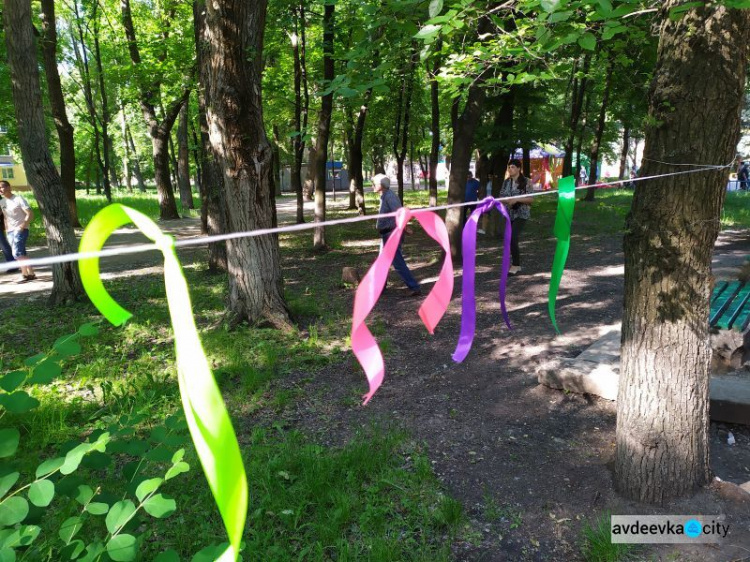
566	201
206	414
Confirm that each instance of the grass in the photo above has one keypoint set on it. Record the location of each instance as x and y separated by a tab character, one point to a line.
597	542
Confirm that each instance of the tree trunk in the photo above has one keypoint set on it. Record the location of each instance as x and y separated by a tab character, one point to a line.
276	162
126	148
526	161
357	158
158	130
183	160
106	140
301	109
235	121
498	162
213	206
324	127
435	130
136	161
601	123
662	449
40	169
579	88
196	153
57	104
624	153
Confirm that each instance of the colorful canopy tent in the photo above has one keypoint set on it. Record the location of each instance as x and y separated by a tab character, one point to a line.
546	165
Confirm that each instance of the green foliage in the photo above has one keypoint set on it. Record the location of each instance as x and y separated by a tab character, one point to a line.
58	502
597	542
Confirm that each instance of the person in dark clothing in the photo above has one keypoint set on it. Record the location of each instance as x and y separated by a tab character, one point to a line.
520	210
743	175
472	194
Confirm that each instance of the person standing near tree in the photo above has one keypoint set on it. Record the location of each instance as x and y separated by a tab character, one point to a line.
520	210
17	214
390	203
472	194
7	251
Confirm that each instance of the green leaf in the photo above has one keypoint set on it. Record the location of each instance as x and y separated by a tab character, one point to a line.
41	493
147	487
9	439
119	514
606	6
436	6
587	41
97	508
12	380
557	17
73	550
70	528
178	456
28	534
19	402
31	361
88	329
45	372
97	460
93	552
160	506
168	556
429	30
74	457
210	553
122	548
7	555
49	466
13	510
84	495
6	483
551	5
178	468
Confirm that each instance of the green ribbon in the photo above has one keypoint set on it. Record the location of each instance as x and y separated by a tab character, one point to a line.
207	417
566	202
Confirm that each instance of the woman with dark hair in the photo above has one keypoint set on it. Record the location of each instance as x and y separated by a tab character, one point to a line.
520	209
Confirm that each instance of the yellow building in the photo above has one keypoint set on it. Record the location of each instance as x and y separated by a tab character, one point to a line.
11	170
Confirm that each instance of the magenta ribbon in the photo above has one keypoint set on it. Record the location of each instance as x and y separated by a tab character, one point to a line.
468	297
432	310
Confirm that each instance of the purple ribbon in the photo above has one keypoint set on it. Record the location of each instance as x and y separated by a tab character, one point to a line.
468	298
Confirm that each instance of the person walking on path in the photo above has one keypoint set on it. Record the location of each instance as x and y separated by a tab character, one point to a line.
7	251
390	203
17	214
520	210
472	194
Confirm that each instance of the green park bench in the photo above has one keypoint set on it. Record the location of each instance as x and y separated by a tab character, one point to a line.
730	305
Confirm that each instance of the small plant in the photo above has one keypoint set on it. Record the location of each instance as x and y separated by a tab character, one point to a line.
597	542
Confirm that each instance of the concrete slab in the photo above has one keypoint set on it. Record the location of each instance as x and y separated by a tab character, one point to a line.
597	371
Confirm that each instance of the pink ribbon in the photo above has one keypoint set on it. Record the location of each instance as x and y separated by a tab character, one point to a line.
432	310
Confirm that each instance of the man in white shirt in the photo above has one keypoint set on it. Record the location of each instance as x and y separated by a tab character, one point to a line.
18	215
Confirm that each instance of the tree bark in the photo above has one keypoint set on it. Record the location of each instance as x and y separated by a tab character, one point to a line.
136	161
183	160
37	161
107	170
579	88
435	130
324	127
624	153
662	449
600	125
213	207
237	132
301	108
126	148
57	104
356	157
158	130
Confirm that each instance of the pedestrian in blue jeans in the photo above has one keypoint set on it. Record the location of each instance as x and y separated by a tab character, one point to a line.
7	251
389	203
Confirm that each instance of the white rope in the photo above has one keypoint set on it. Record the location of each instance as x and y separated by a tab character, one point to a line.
139	248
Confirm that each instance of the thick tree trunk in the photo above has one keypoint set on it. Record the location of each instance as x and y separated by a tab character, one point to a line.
324	127
601	123
40	169
57	104
235	120
662	447
183	160
213	213
165	193
624	153
357	158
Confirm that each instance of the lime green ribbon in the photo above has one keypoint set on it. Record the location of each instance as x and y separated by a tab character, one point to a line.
566	202
207	417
